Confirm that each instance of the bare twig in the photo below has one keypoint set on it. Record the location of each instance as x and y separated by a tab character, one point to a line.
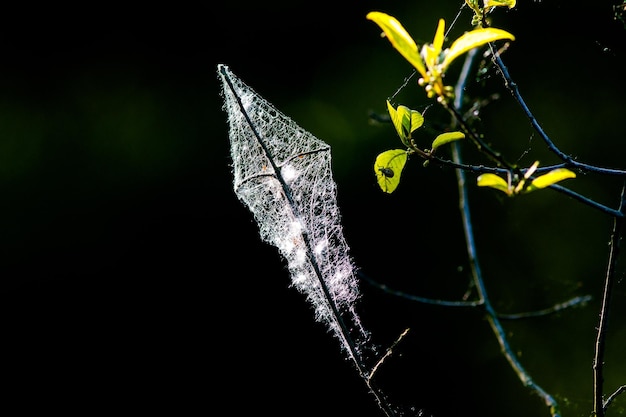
492	316
598	360
425	300
611	397
582	300
571	162
387	354
576	301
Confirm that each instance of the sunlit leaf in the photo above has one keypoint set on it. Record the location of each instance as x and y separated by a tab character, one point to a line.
445	138
388	168
550	178
399	38
431	52
494	3
405	120
473	39
493	181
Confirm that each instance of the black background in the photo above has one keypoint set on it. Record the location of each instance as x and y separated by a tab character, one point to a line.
134	280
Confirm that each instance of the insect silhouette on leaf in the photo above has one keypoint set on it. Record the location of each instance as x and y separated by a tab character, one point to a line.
387	172
388	167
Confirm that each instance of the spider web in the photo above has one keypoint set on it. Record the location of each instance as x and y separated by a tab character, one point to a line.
282	173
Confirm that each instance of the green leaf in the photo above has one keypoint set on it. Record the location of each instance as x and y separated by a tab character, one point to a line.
445	138
399	38
550	178
471	40
493	181
405	120
494	3
388	168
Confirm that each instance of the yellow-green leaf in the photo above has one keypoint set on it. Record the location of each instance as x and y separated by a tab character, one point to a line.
405	120
494	3
445	138
550	178
430	53
399	38
493	181
473	39
388	168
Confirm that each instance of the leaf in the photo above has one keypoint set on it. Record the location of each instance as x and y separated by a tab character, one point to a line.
494	3
493	181
473	39
446	138
406	121
431	53
399	38
388	168
550	178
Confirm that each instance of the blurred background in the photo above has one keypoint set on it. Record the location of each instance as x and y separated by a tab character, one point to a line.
134	279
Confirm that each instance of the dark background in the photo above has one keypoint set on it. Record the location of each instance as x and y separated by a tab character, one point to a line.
133	279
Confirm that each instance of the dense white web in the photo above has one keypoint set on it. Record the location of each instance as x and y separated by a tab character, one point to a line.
282	173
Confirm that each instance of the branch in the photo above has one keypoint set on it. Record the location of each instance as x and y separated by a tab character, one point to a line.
609	400
445	303
479	169
587	201
512	87
492	316
582	300
387	354
598	360
480	144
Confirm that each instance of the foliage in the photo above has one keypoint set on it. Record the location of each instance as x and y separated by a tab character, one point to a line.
432	62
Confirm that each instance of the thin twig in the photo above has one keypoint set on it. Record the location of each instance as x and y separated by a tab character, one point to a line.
582	300
425	300
587	201
513	88
480	144
598	360
611	397
480	169
387	354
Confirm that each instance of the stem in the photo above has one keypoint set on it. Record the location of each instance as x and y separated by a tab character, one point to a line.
424	300
620	390
582	300
492	316
482	169
587	201
478	142
598	360
512	87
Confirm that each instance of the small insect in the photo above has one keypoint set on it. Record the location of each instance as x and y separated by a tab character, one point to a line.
387	172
